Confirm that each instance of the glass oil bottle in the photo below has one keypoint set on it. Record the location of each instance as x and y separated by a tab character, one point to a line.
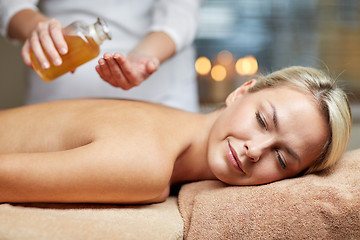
83	45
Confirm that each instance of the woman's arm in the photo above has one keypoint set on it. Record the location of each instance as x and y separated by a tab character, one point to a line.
8	9
174	26
91	173
23	22
178	19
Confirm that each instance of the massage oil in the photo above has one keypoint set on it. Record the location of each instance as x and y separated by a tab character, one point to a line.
83	45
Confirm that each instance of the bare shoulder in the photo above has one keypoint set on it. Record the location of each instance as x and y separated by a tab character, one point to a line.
110	151
68	124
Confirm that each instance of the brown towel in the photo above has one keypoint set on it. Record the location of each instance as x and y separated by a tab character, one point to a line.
90	221
317	206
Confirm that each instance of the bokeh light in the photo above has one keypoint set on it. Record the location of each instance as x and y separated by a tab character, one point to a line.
225	57
246	66
202	65
218	73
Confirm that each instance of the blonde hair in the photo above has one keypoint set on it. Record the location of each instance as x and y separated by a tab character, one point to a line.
332	102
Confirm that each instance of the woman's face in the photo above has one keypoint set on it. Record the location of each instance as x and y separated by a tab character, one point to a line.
265	136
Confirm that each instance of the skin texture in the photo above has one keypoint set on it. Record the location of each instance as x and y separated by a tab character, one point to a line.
269	138
114	151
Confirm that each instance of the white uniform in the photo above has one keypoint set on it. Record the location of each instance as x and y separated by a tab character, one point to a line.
173	84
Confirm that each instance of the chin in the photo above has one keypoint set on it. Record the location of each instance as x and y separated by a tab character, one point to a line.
225	177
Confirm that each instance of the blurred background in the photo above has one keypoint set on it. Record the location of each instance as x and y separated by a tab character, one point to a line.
238	39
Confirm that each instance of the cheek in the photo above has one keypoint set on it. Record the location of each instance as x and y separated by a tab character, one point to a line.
236	121
241	127
215	154
266	172
218	164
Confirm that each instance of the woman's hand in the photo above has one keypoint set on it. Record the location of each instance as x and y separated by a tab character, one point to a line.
47	42
126	72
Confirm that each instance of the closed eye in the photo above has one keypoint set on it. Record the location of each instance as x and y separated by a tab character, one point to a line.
261	120
281	159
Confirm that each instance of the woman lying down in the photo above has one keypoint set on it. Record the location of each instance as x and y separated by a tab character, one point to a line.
112	151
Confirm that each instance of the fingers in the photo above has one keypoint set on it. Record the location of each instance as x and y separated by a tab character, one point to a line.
35	46
113	69
46	41
152	66
25	53
110	71
104	72
127	70
56	32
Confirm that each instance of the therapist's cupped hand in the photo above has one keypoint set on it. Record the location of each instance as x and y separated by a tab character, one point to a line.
126	72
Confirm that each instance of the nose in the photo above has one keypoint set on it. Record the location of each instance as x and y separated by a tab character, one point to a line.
255	148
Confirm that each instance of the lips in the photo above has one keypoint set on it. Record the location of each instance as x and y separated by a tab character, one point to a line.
233	158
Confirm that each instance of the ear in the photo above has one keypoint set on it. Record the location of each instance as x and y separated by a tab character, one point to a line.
244	88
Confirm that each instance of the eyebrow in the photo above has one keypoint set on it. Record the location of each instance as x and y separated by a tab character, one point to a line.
276	123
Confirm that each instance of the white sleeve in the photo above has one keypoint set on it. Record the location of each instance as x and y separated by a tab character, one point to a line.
8	8
178	19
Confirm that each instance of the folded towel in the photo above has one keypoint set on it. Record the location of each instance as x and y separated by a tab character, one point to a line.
90	221
325	205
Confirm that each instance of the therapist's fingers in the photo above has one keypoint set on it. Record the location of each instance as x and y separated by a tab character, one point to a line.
113	67
56	32
99	71
25	53
104	71
116	72
111	74
46	31
152	65
45	40
35	45
128	71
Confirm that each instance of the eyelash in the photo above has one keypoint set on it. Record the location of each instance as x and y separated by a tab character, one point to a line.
281	161
262	122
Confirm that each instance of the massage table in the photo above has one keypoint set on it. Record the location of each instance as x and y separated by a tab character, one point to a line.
324	205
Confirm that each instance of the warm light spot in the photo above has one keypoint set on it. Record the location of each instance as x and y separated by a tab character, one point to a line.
202	65
225	57
218	73
246	65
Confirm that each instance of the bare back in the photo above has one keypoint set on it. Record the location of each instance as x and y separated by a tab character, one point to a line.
93	146
69	124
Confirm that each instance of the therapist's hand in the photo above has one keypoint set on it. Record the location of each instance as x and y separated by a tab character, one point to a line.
49	35
126	72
